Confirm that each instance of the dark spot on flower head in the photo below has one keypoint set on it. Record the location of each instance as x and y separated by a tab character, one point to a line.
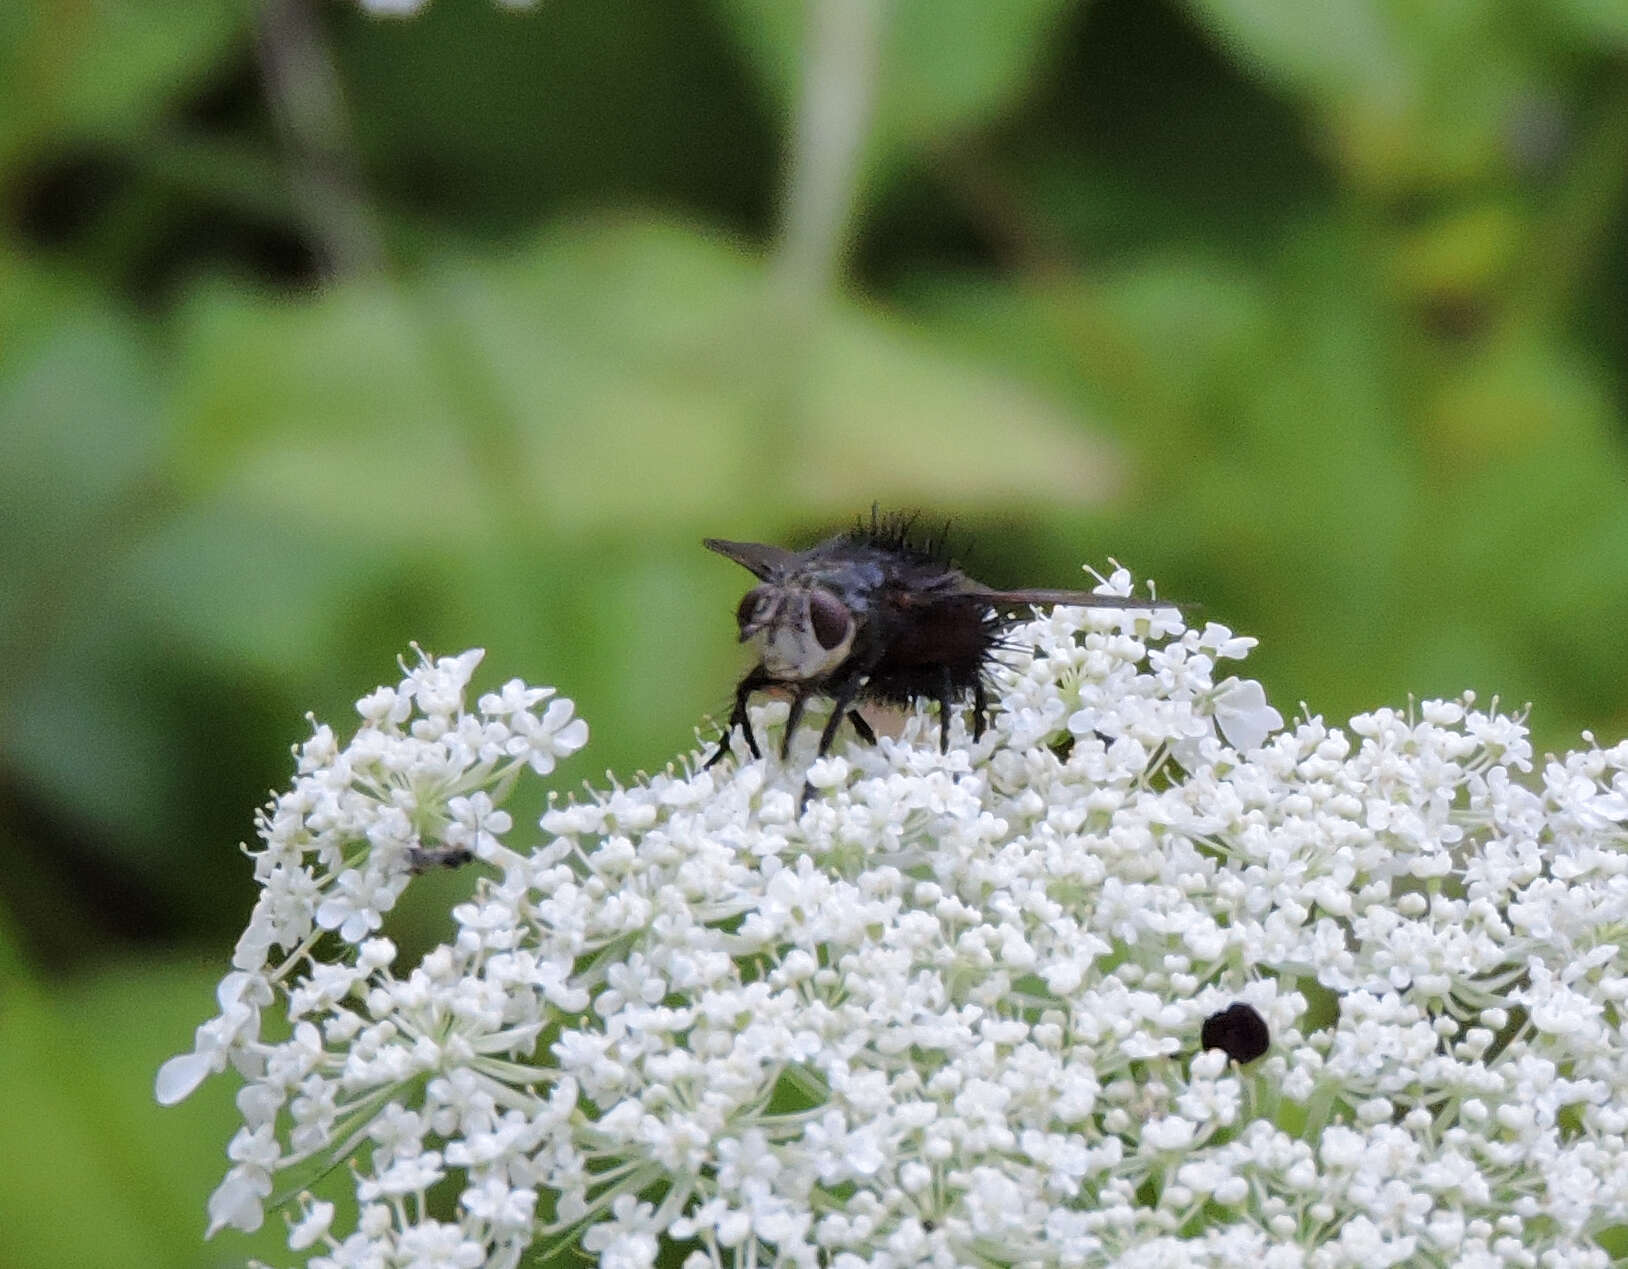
1238	1031
420	859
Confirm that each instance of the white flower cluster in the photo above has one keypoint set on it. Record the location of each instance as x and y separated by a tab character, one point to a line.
413	788
951	1013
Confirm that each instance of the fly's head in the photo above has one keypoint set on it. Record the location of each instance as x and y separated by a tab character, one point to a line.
801	631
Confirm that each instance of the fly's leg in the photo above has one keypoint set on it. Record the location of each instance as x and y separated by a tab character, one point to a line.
862	727
945	687
754	680
980	708
794	717
844	692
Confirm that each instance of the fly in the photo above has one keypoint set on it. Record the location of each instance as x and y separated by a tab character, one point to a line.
873	614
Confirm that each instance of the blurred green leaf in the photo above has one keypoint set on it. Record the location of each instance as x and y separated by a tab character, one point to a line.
82	441
1133	345
250	592
1342	50
1466	252
486	114
1408	95
624	375
80	456
98	1174
1603	21
949	66
102	71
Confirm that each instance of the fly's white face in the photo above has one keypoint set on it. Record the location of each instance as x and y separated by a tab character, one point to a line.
800	633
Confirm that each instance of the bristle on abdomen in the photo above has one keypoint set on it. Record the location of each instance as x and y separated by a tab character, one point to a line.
897	532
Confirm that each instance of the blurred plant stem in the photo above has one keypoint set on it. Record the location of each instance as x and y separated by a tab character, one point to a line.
307	101
307	98
841	55
833	118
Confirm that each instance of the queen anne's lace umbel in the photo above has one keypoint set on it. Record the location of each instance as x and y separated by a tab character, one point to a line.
949	1015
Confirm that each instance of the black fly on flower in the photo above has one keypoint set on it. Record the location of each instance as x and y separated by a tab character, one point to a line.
874	614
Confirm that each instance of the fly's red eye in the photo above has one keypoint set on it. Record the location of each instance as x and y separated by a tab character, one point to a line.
749	605
830	619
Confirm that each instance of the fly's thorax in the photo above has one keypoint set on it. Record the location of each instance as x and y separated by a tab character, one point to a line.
801	632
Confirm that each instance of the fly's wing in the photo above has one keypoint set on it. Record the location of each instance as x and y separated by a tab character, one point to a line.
759	557
1041	597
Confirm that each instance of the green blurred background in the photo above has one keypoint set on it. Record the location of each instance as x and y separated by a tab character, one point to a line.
321	332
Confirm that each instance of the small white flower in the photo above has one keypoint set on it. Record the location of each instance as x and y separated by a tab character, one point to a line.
394	8
542	742
312	1227
1242	713
1169	1132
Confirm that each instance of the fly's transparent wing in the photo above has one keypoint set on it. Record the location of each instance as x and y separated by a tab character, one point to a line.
1042	597
758	557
